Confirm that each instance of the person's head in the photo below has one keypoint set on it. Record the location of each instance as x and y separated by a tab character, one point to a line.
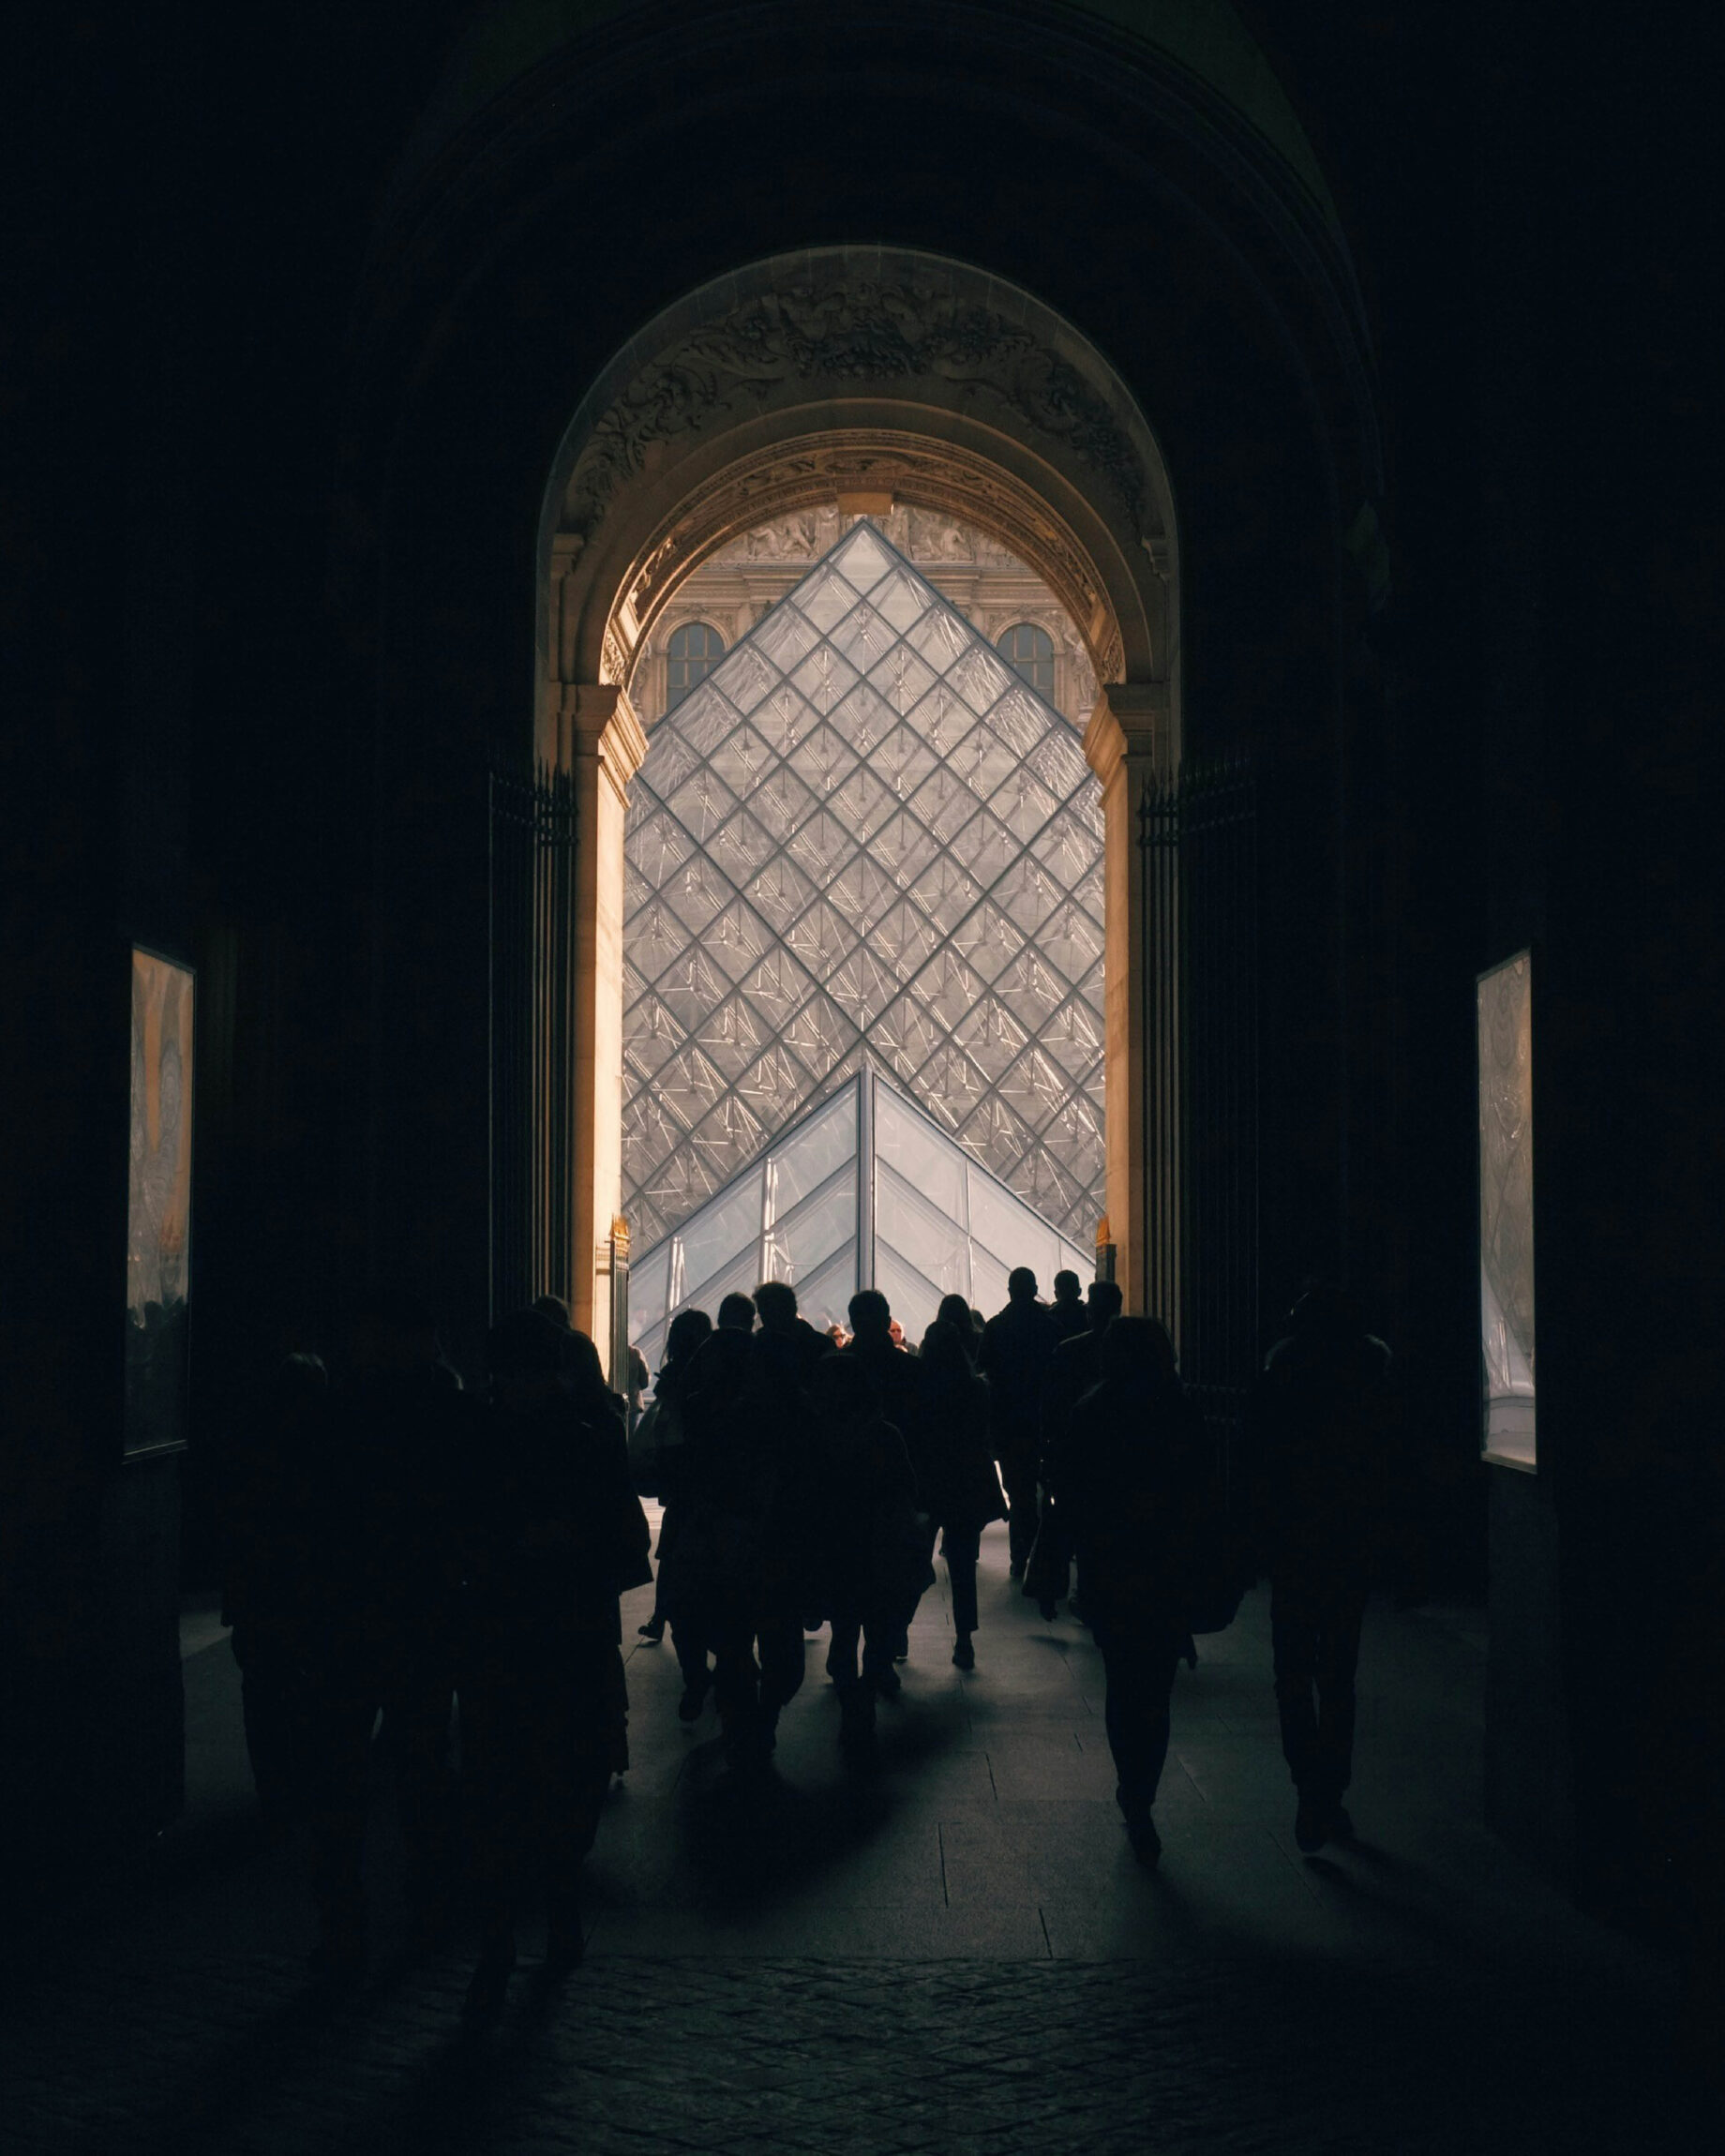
836	1334
979	1322
737	1314
871	1315
688	1329
554	1307
776	1301
954	1310
1020	1284
1104	1302
528	1358
896	1332
1138	1353
843	1391
946	1354
1066	1288
299	1384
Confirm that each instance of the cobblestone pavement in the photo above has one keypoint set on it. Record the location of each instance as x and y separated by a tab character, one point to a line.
228	2056
959	1954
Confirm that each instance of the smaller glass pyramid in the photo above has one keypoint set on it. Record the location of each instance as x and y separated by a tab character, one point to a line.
941	1224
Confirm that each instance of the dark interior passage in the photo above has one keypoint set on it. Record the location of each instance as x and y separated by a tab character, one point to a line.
960	1951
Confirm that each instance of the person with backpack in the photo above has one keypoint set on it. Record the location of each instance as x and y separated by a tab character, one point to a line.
1126	1473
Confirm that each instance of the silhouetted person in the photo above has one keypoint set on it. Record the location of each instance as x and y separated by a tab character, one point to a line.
1322	1485
1017	1349
864	1498
898	1378
958	1486
1077	1365
1125	1472
667	1439
392	1557
555	1534
270	1596
737	1313
742	1555
1068	1311
954	1310
786	1341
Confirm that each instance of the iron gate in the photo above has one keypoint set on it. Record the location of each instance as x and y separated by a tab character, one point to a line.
1197	840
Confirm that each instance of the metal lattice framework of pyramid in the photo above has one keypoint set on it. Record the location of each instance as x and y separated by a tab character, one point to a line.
863	840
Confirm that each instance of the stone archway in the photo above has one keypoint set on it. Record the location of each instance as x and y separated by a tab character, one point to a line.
861	377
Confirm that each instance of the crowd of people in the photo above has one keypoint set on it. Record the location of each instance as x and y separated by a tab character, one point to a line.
400	1543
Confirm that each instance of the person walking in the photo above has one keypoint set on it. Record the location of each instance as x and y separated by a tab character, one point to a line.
1018	1345
899	1379
1126	1470
1322	1486
960	1489
389	1568
1077	1365
1070	1318
667	1442
555	1536
870	1543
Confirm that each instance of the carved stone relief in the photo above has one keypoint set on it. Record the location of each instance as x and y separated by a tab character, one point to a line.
827	327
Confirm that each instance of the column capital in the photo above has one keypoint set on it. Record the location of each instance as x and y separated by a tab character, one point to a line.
596	719
1130	725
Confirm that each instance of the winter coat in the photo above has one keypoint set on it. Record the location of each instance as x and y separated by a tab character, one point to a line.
1125	1478
959	1486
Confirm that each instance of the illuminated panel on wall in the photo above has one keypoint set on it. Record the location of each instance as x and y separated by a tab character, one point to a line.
1507	1211
159	1211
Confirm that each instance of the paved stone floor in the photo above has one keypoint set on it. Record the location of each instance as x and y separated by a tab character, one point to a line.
960	1953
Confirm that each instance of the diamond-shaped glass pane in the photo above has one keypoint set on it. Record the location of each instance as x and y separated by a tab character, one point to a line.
904	1036
862	839
987	942
861	987
901	678
731	1039
659	849
741	761
779	892
822	760
786	637
655	937
744	679
824	677
864	719
864	802
940	638
821	939
992	1038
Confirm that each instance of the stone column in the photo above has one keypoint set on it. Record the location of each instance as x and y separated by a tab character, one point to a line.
1126	744
600	739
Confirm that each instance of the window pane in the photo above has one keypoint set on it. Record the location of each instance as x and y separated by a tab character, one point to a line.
723	1232
804	1161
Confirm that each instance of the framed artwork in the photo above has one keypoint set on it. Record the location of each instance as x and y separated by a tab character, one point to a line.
1504	1016
159	1211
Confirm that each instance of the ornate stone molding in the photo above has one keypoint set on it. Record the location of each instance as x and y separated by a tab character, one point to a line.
813	473
824	329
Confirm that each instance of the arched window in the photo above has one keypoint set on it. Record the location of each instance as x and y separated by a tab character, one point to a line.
695	649
1030	652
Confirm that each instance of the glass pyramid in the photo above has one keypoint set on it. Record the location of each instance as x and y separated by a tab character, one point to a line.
941	1224
862	842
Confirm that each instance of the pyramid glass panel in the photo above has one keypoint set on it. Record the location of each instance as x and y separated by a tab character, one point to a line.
863	841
